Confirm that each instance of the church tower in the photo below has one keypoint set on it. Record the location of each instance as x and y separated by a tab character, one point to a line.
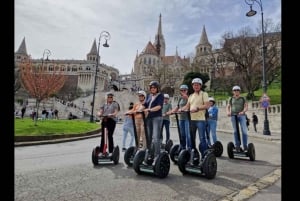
92	55
160	40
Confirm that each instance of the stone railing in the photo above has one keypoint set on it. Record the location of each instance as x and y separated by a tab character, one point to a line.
274	116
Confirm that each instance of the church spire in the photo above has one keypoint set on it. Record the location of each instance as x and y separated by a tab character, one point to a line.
22	49
92	55
159	42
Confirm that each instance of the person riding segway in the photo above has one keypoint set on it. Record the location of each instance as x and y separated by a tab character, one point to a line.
211	128
196	105
236	108
153	160
107	152
182	125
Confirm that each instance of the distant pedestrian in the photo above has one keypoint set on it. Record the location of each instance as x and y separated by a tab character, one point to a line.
23	110
254	121
56	114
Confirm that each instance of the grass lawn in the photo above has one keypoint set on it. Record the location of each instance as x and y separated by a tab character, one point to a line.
26	127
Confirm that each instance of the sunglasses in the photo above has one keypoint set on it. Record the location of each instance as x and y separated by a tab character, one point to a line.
236	90
109	97
152	87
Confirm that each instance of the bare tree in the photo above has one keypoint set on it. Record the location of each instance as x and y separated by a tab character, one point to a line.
39	82
244	51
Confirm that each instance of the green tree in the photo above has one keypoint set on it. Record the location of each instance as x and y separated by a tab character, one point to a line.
188	77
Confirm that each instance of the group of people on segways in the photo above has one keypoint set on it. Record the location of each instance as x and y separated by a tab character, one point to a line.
152	160
147	156
190	161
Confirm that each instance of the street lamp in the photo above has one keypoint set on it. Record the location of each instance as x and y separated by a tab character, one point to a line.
251	13
106	36
48	53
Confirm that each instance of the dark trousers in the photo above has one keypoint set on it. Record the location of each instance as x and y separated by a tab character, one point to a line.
110	124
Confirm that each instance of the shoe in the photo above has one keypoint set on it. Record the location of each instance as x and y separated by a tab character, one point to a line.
110	155
154	160
123	149
100	154
238	149
246	148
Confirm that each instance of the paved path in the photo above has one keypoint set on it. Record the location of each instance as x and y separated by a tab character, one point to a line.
267	188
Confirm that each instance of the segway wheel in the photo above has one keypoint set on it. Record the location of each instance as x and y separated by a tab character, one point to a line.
230	147
174	151
209	166
251	151
162	165
168	145
95	154
129	155
138	160
183	158
116	155
218	148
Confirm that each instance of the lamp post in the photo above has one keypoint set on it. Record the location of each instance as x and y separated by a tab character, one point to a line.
251	13
48	53
106	36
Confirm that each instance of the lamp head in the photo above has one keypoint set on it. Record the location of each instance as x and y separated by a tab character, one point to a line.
251	12
105	44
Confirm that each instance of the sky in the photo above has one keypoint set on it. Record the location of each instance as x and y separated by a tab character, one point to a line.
68	28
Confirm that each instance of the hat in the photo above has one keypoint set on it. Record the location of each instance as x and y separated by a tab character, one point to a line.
109	94
184	86
197	80
166	96
236	88
142	93
211	99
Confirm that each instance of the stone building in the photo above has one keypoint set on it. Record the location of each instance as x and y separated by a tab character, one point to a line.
80	73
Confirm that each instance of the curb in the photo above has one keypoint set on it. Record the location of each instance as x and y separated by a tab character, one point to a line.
254	188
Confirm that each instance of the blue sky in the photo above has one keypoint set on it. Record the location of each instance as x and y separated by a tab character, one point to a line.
68	27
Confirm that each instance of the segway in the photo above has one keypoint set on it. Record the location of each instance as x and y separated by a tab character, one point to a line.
217	147
144	162
176	148
105	158
189	160
232	151
131	151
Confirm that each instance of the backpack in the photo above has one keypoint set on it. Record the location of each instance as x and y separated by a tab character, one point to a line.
118	105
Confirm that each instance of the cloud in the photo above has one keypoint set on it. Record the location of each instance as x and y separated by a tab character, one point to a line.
68	27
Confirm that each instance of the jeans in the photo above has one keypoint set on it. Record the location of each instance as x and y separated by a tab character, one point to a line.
212	131
126	130
166	124
185	139
200	125
154	125
242	122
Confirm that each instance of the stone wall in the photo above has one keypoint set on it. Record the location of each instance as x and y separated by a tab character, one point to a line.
224	123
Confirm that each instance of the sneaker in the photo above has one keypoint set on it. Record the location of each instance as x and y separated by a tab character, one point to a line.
110	155
100	154
246	148
154	160
123	149
238	149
